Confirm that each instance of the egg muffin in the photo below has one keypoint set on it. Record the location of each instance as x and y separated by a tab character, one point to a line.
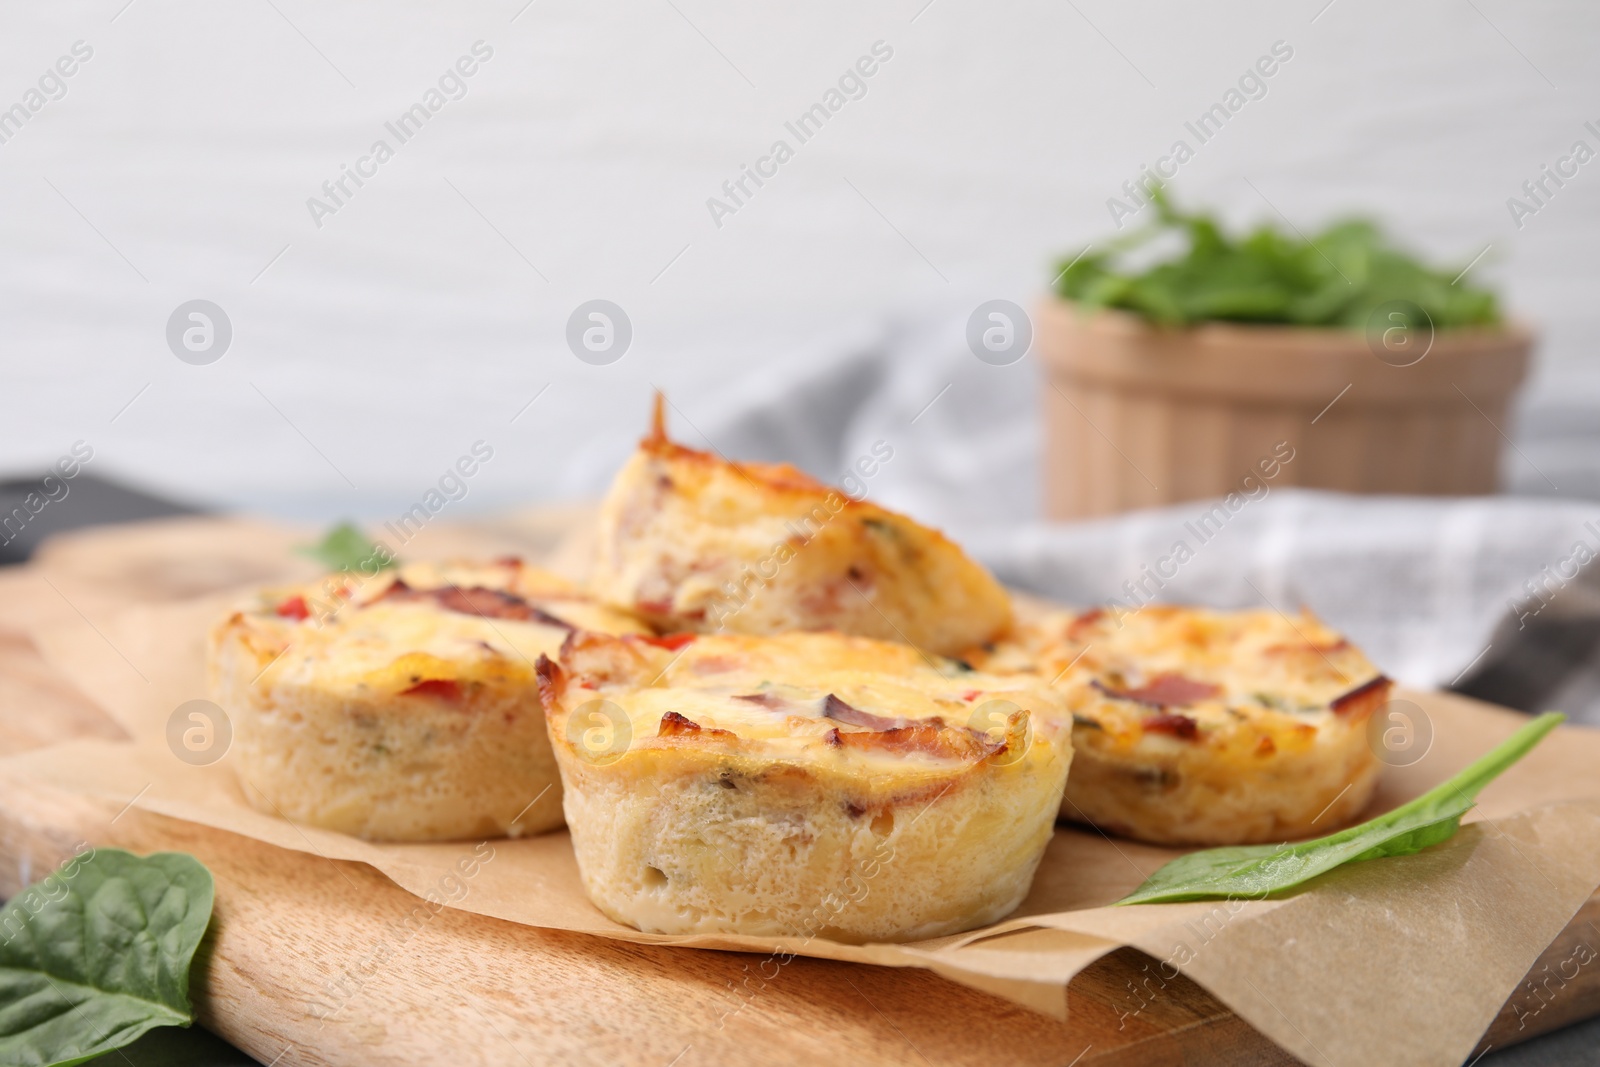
402	707
689	541
1195	727
807	785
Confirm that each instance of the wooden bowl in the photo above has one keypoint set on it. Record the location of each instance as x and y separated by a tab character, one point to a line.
1142	416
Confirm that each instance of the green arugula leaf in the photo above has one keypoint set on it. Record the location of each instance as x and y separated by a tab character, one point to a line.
346	548
1335	278
1257	871
98	953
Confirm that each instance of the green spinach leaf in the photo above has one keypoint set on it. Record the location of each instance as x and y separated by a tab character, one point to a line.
1258	871
1335	278
98	953
346	548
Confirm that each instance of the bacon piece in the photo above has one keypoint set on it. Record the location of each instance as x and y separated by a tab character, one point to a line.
1179	726
552	679
447	689
931	735
675	725
770	701
671	642
1086	621
1363	699
478	600
294	608
1164	690
588	659
837	710
496	604
658	421
932	738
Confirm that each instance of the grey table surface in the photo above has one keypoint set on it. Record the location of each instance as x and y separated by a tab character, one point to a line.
1575	1045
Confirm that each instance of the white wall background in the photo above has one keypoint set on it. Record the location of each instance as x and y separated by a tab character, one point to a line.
415	321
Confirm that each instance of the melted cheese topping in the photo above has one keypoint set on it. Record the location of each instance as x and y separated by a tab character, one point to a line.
1239	675
789	698
393	647
690	541
371	639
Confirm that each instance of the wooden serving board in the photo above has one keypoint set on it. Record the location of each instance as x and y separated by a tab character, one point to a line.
292	930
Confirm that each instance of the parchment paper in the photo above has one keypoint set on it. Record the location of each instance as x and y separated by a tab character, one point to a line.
1402	961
